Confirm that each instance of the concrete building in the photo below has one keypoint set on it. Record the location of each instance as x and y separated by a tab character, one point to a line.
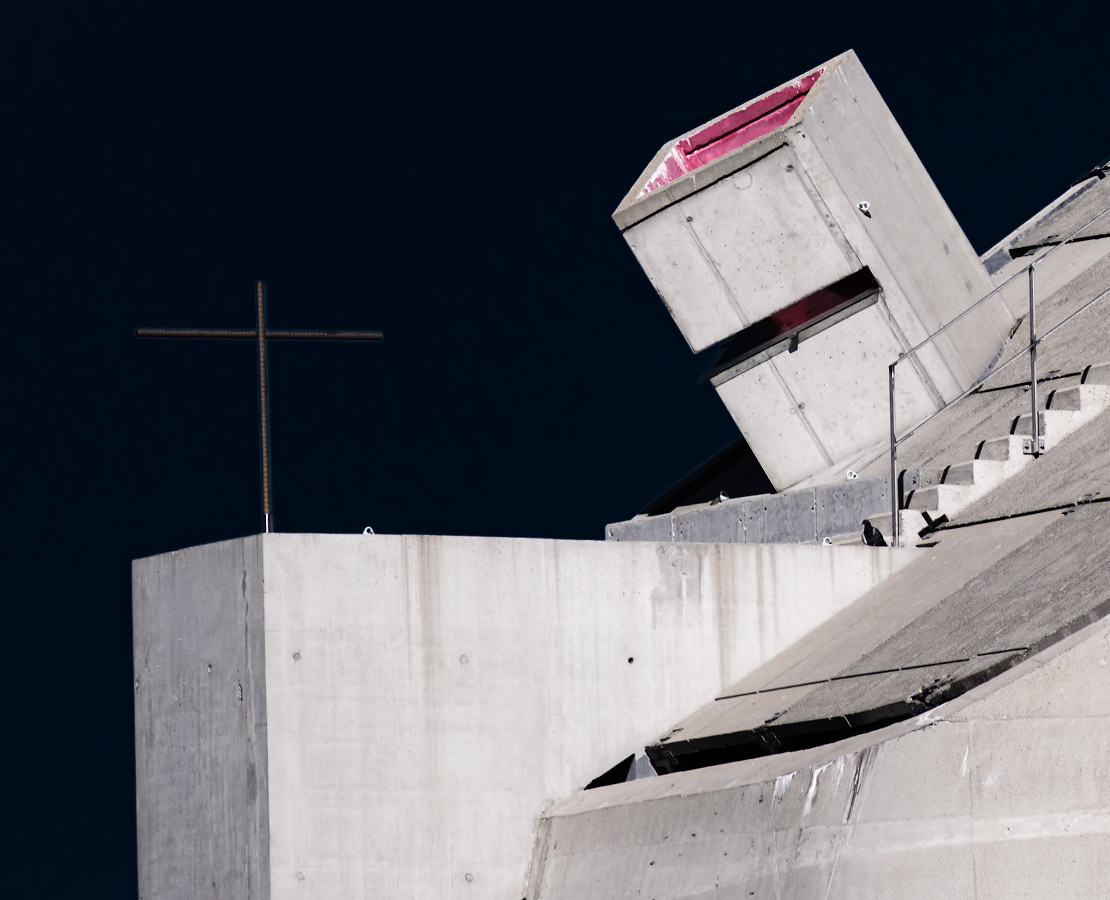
800	235
731	699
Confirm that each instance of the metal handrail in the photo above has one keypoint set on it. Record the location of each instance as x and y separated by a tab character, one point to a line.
1031	349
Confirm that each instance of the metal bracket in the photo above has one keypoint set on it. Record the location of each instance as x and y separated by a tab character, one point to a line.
1027	446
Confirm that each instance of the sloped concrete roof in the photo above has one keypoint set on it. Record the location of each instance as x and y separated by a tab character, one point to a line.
1002	793
980	602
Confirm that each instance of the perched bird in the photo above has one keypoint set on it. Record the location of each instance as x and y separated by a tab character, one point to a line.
720	498
872	536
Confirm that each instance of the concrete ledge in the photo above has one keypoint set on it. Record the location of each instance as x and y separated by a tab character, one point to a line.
803	516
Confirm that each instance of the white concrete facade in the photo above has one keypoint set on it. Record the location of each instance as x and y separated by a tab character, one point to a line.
773	221
333	716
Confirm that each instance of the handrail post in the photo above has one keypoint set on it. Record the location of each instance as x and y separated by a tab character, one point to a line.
1036	429
893	466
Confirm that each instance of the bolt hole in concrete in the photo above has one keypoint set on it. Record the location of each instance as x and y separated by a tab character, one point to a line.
296	655
464	659
468	877
630	660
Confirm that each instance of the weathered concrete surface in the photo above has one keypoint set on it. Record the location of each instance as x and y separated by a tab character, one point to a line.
1073	471
1067	215
1002	793
728	256
200	723
935	574
426	697
919	648
792	517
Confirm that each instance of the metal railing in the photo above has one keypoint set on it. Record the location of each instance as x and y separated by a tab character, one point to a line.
1031	349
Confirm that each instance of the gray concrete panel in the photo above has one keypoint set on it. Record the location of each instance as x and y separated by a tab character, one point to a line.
841	508
767	415
200	724
720	523
792	517
658	529
914	232
780	518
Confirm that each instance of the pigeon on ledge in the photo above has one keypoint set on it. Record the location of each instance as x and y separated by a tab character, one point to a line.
872	536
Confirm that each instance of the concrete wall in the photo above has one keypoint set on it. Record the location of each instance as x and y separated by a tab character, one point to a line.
854	150
741	249
795	517
427	697
1003	793
200	723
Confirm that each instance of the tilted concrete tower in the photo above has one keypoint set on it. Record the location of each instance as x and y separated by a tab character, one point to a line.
801	236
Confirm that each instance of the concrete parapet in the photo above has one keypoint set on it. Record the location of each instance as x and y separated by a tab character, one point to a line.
793	517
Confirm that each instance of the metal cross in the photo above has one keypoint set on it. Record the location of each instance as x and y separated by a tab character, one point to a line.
261	334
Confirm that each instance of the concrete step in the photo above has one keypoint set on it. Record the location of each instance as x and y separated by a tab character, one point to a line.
1051	420
1097	374
1078	397
966	472
1000	449
952	489
998	458
1073	412
911	523
941	498
1067	398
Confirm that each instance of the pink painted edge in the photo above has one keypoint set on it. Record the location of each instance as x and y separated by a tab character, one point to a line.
731	132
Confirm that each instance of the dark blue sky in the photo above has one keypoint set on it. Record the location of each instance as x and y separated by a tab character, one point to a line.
445	175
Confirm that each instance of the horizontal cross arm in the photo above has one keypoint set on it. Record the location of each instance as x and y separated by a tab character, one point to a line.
250	334
196	333
324	335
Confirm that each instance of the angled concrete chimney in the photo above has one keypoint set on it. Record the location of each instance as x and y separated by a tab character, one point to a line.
801	236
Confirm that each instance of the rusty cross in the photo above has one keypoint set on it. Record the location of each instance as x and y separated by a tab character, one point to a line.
262	335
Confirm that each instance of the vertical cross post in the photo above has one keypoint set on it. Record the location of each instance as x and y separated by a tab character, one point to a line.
262	335
263	404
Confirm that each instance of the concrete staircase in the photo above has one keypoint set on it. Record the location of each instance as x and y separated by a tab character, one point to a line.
947	491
